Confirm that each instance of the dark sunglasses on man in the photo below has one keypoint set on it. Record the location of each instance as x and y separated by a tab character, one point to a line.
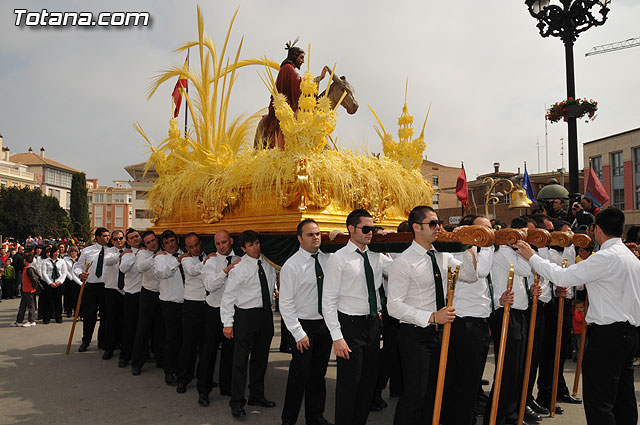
433	223
368	229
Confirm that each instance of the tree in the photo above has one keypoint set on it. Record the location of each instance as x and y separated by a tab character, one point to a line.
25	212
79	209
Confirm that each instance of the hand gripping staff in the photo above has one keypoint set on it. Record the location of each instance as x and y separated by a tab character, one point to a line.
503	345
556	362
527	362
75	316
444	348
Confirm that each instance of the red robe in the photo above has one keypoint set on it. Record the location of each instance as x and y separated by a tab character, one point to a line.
287	83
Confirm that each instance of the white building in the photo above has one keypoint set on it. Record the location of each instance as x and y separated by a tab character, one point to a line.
140	185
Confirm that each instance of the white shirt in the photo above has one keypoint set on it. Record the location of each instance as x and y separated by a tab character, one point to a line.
71	275
132	277
167	268
543	281
144	264
502	260
243	287
111	271
193	286
612	279
90	255
299	290
46	270
345	286
568	253
472	297
215	279
412	288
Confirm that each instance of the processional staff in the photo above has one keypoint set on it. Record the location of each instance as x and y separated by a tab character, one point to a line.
75	316
444	349
556	363
503	345
527	362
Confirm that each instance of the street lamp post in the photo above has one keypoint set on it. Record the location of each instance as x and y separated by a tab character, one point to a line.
566	20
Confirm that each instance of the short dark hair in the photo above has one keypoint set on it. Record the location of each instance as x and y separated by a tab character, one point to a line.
468	219
355	216
46	250
303	223
190	234
519	223
28	258
147	233
129	231
588	199
403	227
611	221
248	236
537	220
99	231
418	214
168	234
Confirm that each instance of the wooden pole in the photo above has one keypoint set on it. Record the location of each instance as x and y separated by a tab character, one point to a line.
75	316
527	362
503	345
556	362
583	339
444	349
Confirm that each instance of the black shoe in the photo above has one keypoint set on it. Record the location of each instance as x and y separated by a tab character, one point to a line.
569	399
107	355
540	410
203	400
320	421
135	371
69	314
122	363
181	388
238	412
262	403
171	380
59	320
214	384
46	321
377	405
530	415
484	382
83	347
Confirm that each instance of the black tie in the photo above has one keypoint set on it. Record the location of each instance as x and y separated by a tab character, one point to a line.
264	286
229	258
176	255
437	277
100	263
371	287
319	280
55	274
120	275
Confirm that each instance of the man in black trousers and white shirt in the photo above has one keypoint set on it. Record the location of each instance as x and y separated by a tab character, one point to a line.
351	308
301	281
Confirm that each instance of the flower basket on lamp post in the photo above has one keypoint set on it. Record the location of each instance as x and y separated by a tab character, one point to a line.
572	108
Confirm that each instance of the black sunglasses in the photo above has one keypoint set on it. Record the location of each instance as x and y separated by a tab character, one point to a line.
367	229
433	223
118	239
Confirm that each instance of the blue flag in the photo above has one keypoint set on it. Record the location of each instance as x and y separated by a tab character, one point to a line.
526	182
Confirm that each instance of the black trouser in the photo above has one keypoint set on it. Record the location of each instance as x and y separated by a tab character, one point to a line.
548	353
465	364
357	376
193	334
130	324
253	332
306	374
419	355
214	338
70	294
608	383
150	329
513	368
172	313
538	341
51	302
92	301
9	289
390	370
113	318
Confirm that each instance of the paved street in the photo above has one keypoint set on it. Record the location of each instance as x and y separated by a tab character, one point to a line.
40	385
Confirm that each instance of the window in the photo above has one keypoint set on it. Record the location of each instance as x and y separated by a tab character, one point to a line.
119	220
636	176
435	201
68	201
617	180
435	180
58	178
97	216
141	195
55	193
98	197
109	199
120	198
142	214
596	163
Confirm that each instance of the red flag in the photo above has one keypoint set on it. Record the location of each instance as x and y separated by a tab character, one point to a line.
595	190
462	190
178	89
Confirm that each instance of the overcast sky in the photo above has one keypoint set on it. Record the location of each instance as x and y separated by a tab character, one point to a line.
482	64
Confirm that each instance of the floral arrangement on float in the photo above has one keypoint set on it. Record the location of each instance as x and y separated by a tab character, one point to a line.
572	108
